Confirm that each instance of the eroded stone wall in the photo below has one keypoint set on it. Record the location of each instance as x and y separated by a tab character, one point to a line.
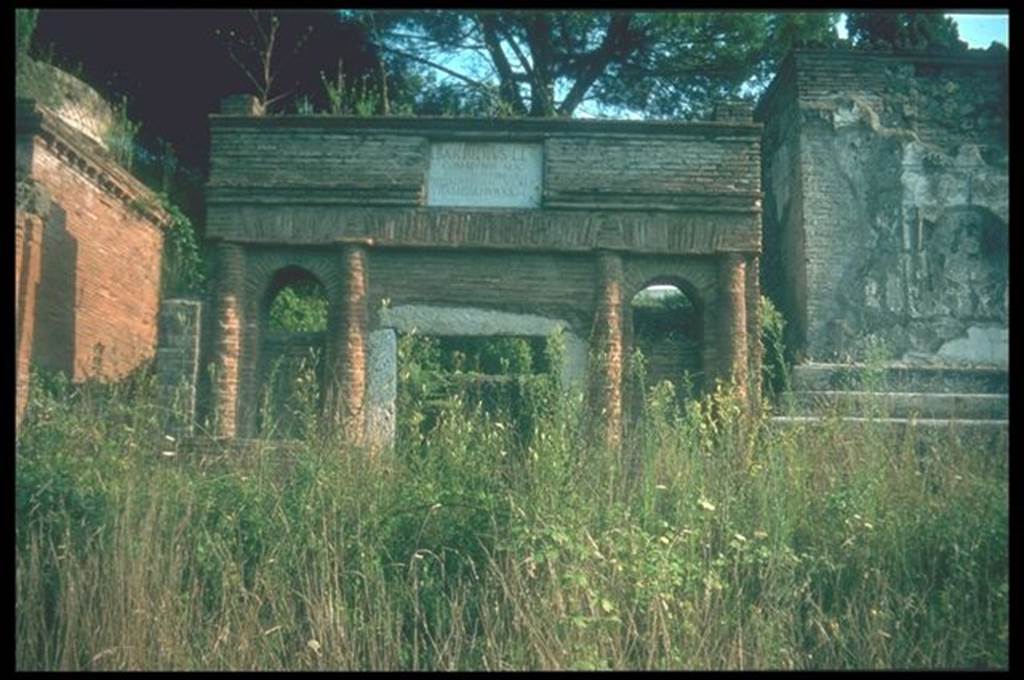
886	208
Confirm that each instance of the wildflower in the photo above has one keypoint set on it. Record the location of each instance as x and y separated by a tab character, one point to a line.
314	645
706	505
664	539
740	537
168	437
869	526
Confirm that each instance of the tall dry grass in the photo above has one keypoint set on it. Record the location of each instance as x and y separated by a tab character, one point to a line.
709	542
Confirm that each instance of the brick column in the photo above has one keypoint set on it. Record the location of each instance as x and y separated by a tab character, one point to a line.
348	383
28	243
606	351
732	283
228	341
755	349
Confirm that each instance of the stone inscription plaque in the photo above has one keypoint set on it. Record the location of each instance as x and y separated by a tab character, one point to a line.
484	175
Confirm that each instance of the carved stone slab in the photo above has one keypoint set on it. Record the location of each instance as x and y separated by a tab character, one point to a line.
486	175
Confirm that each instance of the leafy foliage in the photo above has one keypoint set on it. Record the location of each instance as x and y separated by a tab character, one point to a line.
905	30
775	366
547	63
184	268
300	307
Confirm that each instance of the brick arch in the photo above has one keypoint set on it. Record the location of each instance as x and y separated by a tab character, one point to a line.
693	292
667	358
280	279
266	273
264	267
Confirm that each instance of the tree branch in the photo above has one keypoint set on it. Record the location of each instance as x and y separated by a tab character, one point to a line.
538	36
596	62
507	85
444	69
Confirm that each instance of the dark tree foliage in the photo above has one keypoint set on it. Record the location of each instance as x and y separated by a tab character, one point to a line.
903	30
549	63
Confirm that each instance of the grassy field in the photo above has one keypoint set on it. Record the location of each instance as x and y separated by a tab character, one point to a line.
711	542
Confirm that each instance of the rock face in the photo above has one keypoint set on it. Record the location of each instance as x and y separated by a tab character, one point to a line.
886	205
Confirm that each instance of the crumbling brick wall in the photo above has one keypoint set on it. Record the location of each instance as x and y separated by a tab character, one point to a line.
886	204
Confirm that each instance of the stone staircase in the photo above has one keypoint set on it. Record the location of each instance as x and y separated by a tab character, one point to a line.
932	397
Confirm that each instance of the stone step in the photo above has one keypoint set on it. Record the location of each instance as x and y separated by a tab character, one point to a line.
970	406
899	378
985	434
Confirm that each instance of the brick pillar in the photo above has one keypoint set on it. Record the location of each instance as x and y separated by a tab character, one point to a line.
606	351
28	243
348	383
228	341
732	282
755	349
177	363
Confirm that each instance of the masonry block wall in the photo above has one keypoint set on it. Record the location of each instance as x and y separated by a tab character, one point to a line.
886	204
620	205
88	257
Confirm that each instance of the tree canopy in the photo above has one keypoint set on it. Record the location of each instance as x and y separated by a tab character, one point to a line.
552	63
904	30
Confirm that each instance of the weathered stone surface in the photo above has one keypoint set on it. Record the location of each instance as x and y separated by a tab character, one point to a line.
80	106
485	174
177	363
982	345
381	388
434	320
887	216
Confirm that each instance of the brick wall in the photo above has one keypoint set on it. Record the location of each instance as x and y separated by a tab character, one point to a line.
100	283
89	266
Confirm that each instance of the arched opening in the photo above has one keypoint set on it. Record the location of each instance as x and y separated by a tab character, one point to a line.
666	333
292	354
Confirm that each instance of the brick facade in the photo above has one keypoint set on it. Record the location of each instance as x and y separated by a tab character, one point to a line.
623	205
87	262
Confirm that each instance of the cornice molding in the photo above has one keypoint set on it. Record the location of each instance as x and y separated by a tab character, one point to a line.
90	159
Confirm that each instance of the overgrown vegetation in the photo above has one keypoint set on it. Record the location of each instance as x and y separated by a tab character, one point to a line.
712	542
775	366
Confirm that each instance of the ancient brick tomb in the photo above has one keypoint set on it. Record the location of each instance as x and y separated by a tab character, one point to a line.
478	227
